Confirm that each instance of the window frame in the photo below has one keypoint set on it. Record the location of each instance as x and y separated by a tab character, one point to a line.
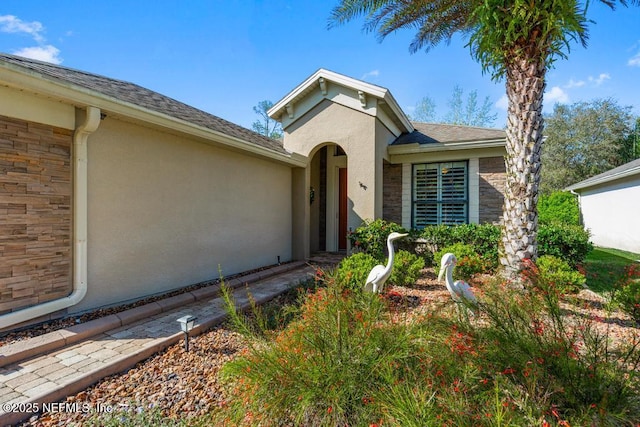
439	202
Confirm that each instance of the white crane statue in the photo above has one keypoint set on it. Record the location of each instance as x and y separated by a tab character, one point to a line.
380	273
460	290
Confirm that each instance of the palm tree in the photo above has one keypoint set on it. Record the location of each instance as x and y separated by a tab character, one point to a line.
515	39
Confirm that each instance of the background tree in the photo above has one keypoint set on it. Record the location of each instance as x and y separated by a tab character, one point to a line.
468	113
425	111
517	40
632	143
266	125
583	140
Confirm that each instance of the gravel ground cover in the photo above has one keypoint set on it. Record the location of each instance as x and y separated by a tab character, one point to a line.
181	386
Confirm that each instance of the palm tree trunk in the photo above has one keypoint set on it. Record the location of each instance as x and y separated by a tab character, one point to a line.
525	88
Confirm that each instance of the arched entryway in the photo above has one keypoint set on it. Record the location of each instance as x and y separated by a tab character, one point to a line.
329	201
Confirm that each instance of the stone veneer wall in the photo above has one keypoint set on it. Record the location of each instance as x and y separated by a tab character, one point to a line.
392	192
35	207
491	183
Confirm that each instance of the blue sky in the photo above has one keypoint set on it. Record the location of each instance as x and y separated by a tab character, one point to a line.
224	56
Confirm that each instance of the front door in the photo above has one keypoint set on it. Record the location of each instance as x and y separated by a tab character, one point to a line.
342	210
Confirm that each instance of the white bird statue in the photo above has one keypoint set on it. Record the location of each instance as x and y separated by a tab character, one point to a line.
379	274
460	289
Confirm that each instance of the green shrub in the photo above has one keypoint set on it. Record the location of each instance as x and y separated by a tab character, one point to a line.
438	236
569	242
353	270
555	271
627	292
469	262
559	207
484	238
371	237
406	269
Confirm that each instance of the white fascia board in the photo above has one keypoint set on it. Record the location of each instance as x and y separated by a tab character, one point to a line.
452	146
605	179
391	102
82	97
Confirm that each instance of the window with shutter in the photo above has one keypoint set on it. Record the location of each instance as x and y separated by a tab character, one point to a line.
440	194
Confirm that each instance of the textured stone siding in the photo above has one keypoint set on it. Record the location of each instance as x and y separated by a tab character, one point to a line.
392	192
35	207
492	179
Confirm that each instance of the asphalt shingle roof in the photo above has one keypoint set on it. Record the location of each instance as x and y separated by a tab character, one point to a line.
432	133
142	97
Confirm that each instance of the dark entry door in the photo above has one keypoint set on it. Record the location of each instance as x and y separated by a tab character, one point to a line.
342	210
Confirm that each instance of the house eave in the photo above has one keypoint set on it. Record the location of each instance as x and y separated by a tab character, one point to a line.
30	81
447	146
593	182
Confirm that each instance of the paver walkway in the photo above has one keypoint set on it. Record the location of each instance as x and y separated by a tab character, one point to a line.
45	369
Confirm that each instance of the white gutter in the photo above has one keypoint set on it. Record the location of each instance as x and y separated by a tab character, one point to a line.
91	123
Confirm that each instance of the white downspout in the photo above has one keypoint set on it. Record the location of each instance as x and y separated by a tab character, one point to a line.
90	124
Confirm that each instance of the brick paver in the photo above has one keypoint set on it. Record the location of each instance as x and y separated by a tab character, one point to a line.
51	376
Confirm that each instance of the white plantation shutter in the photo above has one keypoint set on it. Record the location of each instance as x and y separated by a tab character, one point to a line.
440	194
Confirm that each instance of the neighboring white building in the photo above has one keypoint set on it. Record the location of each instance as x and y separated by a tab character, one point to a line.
610	207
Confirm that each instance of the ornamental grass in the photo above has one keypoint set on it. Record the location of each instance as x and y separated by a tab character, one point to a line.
347	358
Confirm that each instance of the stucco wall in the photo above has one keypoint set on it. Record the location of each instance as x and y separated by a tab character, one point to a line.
35	207
352	130
610	212
165	212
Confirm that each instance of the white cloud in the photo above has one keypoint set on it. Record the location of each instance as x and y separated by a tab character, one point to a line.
634	61
600	79
42	52
556	95
502	103
13	24
46	53
574	83
372	73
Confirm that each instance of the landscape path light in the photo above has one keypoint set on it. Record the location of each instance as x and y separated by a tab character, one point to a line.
186	324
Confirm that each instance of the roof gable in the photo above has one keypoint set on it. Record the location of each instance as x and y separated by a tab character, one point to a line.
352	93
139	97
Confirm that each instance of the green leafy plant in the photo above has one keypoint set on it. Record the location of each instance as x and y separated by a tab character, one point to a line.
371	237
559	207
484	238
406	269
353	270
568	242
627	292
469	262
558	272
